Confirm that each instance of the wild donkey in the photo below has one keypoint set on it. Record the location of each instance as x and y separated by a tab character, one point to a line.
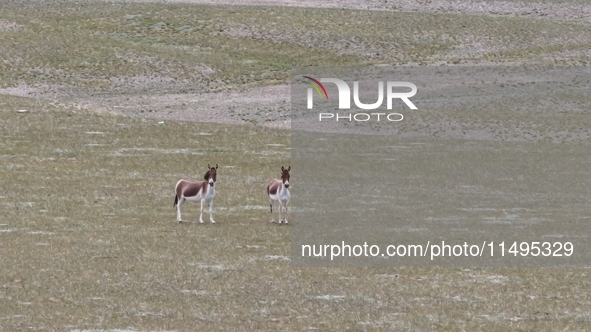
278	191
195	192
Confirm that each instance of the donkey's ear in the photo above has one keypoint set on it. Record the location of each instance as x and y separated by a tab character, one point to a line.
289	168
216	166
282	168
208	167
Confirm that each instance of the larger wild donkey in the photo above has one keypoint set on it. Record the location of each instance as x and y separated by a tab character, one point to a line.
201	191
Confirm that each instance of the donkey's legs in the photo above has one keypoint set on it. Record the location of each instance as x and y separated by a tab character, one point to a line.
280	211
271	203
201	213
285	213
178	209
211	211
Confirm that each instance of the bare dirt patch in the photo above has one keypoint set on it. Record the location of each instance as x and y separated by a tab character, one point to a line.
265	106
9	26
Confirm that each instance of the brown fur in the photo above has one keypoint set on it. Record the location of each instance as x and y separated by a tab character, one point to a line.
275	184
197	191
273	187
190	189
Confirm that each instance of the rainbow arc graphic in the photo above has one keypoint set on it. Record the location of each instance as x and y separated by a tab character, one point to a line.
317	87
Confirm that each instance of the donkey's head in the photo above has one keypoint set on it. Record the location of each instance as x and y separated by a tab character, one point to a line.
210	176
285	175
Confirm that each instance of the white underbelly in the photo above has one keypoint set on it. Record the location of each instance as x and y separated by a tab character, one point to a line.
194	198
283	198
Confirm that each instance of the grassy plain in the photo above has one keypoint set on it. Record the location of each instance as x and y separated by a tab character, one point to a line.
88	237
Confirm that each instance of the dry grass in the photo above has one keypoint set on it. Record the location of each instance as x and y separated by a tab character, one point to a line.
88	238
155	59
163	48
569	9
89	241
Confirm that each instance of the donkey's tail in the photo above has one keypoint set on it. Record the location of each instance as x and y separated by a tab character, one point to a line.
176	200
